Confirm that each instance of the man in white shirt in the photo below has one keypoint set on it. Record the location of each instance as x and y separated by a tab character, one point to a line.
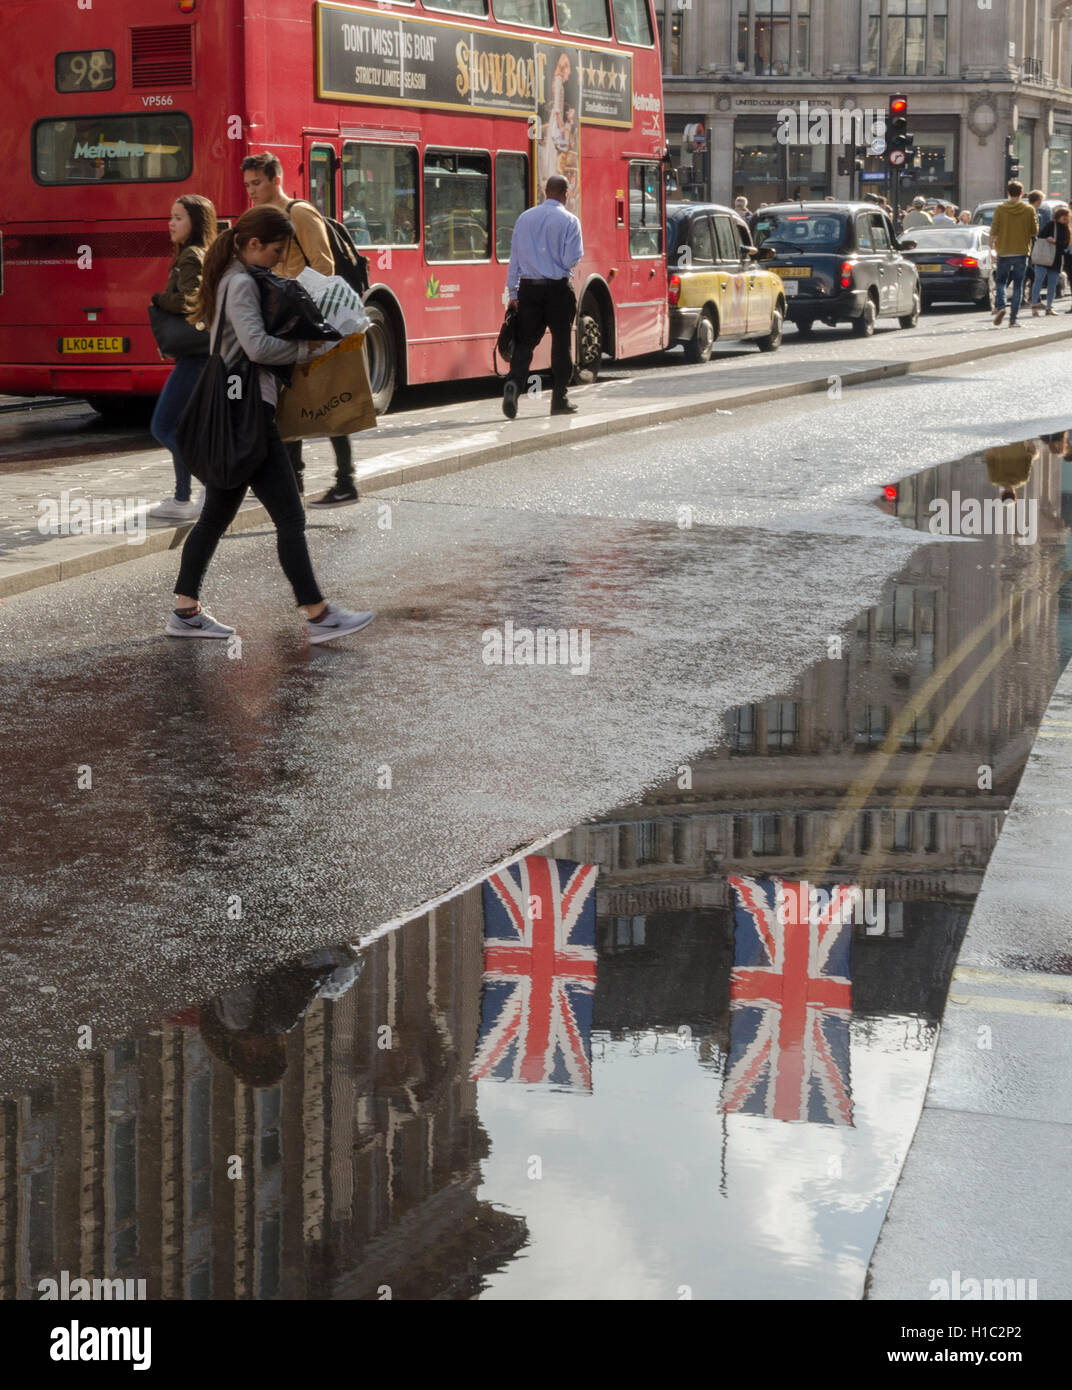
545	248
942	218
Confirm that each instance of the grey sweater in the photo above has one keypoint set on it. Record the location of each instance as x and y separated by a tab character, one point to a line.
243	329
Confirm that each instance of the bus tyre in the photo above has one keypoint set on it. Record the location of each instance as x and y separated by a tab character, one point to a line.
589	344
381	358
700	346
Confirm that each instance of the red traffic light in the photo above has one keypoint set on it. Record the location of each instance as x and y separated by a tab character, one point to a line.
898	106
890	493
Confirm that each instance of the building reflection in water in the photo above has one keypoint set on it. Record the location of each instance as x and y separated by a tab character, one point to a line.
318	1132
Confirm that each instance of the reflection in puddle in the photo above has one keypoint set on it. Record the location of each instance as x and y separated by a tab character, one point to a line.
710	1086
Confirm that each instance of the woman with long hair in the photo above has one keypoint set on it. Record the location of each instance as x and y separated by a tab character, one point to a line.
1058	231
229	300
192	226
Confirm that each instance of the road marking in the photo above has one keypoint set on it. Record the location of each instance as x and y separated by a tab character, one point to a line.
1001	1004
1028	979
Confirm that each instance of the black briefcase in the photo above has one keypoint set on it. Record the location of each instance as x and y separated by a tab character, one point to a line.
505	342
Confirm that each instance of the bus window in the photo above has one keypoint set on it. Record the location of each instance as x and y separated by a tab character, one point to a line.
535	13
92	70
322	179
457	206
113	149
474	7
511	199
584	17
645	215
379	194
632	23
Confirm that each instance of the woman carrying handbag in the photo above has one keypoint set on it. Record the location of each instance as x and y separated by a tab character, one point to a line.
192	226
1047	256
230	301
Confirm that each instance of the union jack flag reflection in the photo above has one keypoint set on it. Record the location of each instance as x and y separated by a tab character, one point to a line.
539	973
790	1002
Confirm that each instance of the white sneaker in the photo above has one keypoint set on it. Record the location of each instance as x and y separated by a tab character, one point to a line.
172	510
335	622
202	624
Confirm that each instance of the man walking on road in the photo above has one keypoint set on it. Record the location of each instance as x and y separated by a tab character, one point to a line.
916	216
1012	231
263	176
547	245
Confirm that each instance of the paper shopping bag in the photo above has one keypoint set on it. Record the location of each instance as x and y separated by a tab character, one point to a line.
328	396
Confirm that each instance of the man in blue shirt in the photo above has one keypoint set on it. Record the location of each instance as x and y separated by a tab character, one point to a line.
546	247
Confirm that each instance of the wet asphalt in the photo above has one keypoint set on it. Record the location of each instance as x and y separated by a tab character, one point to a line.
234	810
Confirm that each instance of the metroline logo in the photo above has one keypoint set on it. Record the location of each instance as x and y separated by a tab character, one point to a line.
116	149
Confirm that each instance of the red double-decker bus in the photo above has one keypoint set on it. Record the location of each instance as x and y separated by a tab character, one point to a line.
426	126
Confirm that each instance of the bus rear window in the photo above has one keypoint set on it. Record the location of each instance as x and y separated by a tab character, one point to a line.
113	149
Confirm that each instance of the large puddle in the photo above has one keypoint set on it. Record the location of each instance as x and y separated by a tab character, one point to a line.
652	1060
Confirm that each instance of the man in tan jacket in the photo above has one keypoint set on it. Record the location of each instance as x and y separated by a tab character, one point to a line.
263	177
1014	228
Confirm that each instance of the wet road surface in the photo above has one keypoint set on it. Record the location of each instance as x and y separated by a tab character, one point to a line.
208	902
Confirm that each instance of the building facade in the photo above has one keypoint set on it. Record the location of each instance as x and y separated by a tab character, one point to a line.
976	73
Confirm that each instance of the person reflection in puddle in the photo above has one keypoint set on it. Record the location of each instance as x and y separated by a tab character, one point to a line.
246	1027
1009	466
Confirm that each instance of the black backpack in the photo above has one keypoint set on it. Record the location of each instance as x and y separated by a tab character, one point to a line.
349	262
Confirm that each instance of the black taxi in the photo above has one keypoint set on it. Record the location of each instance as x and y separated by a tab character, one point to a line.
838	262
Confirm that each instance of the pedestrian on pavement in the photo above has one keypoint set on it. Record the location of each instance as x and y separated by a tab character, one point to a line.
1059	232
917	215
192	227
1035	198
964	217
263	177
229	294
942	218
740	207
1012	231
546	247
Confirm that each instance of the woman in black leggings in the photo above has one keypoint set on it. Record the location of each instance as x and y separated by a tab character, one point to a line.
259	238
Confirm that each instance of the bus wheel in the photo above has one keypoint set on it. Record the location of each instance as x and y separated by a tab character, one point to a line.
589	343
381	358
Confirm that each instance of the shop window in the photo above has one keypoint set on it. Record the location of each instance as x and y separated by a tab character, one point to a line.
668	22
914	42
771	47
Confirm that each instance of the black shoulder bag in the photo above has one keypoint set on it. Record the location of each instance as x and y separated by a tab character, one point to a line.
221	433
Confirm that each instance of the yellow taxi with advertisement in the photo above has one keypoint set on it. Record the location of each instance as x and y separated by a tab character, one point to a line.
717	291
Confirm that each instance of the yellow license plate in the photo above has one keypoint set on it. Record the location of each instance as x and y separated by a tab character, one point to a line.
929	269
94	345
794	272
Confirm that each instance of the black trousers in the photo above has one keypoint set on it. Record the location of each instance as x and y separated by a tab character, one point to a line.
344	459
541	307
274	486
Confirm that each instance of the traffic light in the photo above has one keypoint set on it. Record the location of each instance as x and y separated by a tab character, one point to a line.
1012	161
897	136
